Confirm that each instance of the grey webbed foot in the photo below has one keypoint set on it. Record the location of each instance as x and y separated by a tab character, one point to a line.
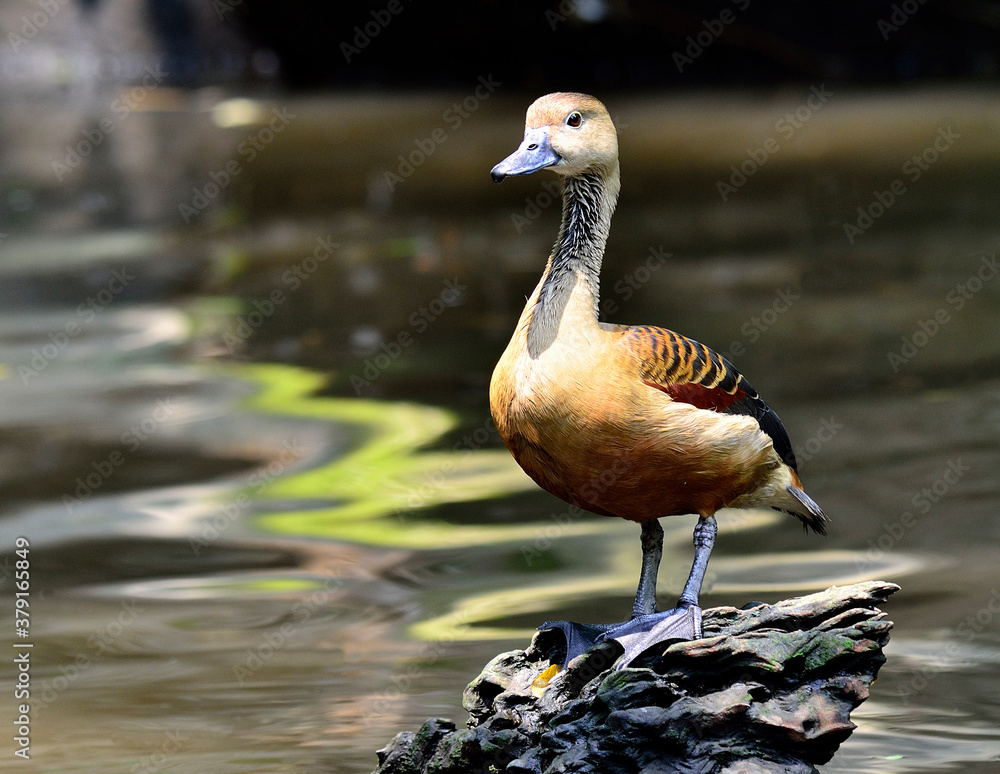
635	636
642	633
647	627
579	637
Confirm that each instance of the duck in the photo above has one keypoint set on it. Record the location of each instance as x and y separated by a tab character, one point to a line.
631	421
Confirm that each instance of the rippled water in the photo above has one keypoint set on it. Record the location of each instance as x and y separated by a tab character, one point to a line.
268	534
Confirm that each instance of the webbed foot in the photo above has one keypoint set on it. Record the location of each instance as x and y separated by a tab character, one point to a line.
635	636
642	633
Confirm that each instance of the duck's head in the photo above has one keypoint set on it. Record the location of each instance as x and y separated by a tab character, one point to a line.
567	132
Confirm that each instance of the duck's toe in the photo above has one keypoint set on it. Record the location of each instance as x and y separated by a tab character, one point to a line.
579	637
635	636
642	633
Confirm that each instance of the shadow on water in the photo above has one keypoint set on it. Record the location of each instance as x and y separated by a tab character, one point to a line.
269	531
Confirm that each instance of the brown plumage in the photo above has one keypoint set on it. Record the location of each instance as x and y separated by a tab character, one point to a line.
636	422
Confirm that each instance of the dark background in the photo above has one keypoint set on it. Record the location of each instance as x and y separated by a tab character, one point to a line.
600	44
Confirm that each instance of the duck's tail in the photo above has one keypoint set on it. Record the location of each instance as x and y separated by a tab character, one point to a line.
806	510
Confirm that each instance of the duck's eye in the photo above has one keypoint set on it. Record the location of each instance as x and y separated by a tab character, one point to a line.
574	119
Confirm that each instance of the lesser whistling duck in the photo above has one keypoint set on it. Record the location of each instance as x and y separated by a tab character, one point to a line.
630	421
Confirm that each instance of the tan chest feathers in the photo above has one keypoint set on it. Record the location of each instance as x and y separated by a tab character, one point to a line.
628	452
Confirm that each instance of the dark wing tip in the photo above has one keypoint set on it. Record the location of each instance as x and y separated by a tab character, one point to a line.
770	423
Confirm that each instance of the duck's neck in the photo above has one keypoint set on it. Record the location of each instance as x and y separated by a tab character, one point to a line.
570	289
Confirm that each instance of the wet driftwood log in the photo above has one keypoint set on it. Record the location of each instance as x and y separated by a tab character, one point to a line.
768	688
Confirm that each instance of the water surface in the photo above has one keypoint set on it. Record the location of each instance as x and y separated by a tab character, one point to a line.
271	523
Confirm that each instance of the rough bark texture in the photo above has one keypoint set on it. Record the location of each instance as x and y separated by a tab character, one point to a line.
767	689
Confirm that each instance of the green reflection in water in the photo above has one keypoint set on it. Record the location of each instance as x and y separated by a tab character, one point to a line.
382	484
379	492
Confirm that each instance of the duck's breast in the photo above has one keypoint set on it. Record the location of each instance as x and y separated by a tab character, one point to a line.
585	428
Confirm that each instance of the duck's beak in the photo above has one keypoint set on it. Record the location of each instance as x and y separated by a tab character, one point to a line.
534	154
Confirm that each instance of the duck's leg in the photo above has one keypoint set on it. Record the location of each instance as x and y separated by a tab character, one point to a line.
647	629
704	541
652	552
579	637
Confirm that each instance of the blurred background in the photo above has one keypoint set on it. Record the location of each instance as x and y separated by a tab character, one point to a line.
255	277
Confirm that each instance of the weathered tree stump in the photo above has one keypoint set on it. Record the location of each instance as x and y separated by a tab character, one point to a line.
768	688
